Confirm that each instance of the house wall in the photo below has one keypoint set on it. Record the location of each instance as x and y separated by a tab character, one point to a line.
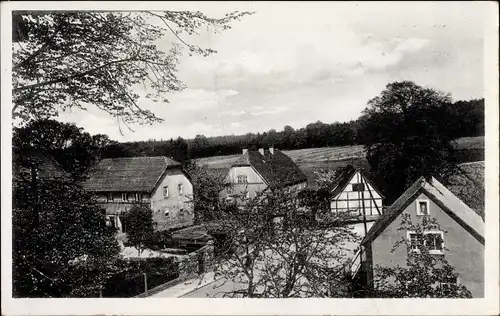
255	182
174	203
463	251
117	197
350	200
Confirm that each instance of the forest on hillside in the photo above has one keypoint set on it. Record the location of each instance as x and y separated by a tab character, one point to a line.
76	149
463	119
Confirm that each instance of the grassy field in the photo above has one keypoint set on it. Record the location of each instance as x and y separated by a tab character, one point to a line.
311	160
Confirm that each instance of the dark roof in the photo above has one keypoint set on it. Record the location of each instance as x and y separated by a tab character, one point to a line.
345	176
277	169
47	167
191	233
440	195
343	179
132	174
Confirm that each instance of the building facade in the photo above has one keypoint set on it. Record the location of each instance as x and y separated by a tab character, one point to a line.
460	236
158	182
258	170
353	193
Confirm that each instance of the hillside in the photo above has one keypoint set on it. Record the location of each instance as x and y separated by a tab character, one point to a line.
316	159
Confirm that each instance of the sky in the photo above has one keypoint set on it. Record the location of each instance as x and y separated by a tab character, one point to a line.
294	63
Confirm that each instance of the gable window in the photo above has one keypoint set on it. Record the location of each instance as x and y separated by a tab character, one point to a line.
165	191
242	179
432	240
422	208
358	187
180	188
124	196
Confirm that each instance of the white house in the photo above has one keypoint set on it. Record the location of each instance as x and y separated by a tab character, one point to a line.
258	170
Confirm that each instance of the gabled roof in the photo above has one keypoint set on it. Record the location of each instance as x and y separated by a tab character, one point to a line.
276	169
131	174
344	177
47	167
440	195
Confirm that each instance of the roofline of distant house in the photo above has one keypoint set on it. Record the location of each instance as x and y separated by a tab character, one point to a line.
164	174
365	178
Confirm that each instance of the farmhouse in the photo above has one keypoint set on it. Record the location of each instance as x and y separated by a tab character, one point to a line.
460	236
353	193
255	171
158	182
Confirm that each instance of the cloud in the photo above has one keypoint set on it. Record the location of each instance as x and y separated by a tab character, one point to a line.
234	112
318	61
236	124
260	111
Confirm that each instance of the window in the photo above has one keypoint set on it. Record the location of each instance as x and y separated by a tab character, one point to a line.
358	187
165	191
109	197
167	213
179	187
138	197
181	213
124	196
242	179
432	240
422	208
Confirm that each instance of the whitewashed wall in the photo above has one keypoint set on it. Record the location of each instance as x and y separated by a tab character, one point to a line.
349	200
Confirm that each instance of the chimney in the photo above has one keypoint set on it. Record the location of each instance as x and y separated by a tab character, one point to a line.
245	151
261	150
271	150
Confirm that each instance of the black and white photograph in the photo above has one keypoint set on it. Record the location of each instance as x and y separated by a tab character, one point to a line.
250	150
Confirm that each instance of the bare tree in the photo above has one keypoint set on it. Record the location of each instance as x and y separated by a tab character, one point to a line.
272	249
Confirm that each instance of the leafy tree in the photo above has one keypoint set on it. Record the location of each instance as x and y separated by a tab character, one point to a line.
179	149
61	244
140	226
466	118
406	137
207	186
425	275
75	59
74	149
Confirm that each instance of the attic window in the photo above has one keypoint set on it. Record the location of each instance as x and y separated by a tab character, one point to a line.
358	187
242	179
165	191
422	207
180	188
